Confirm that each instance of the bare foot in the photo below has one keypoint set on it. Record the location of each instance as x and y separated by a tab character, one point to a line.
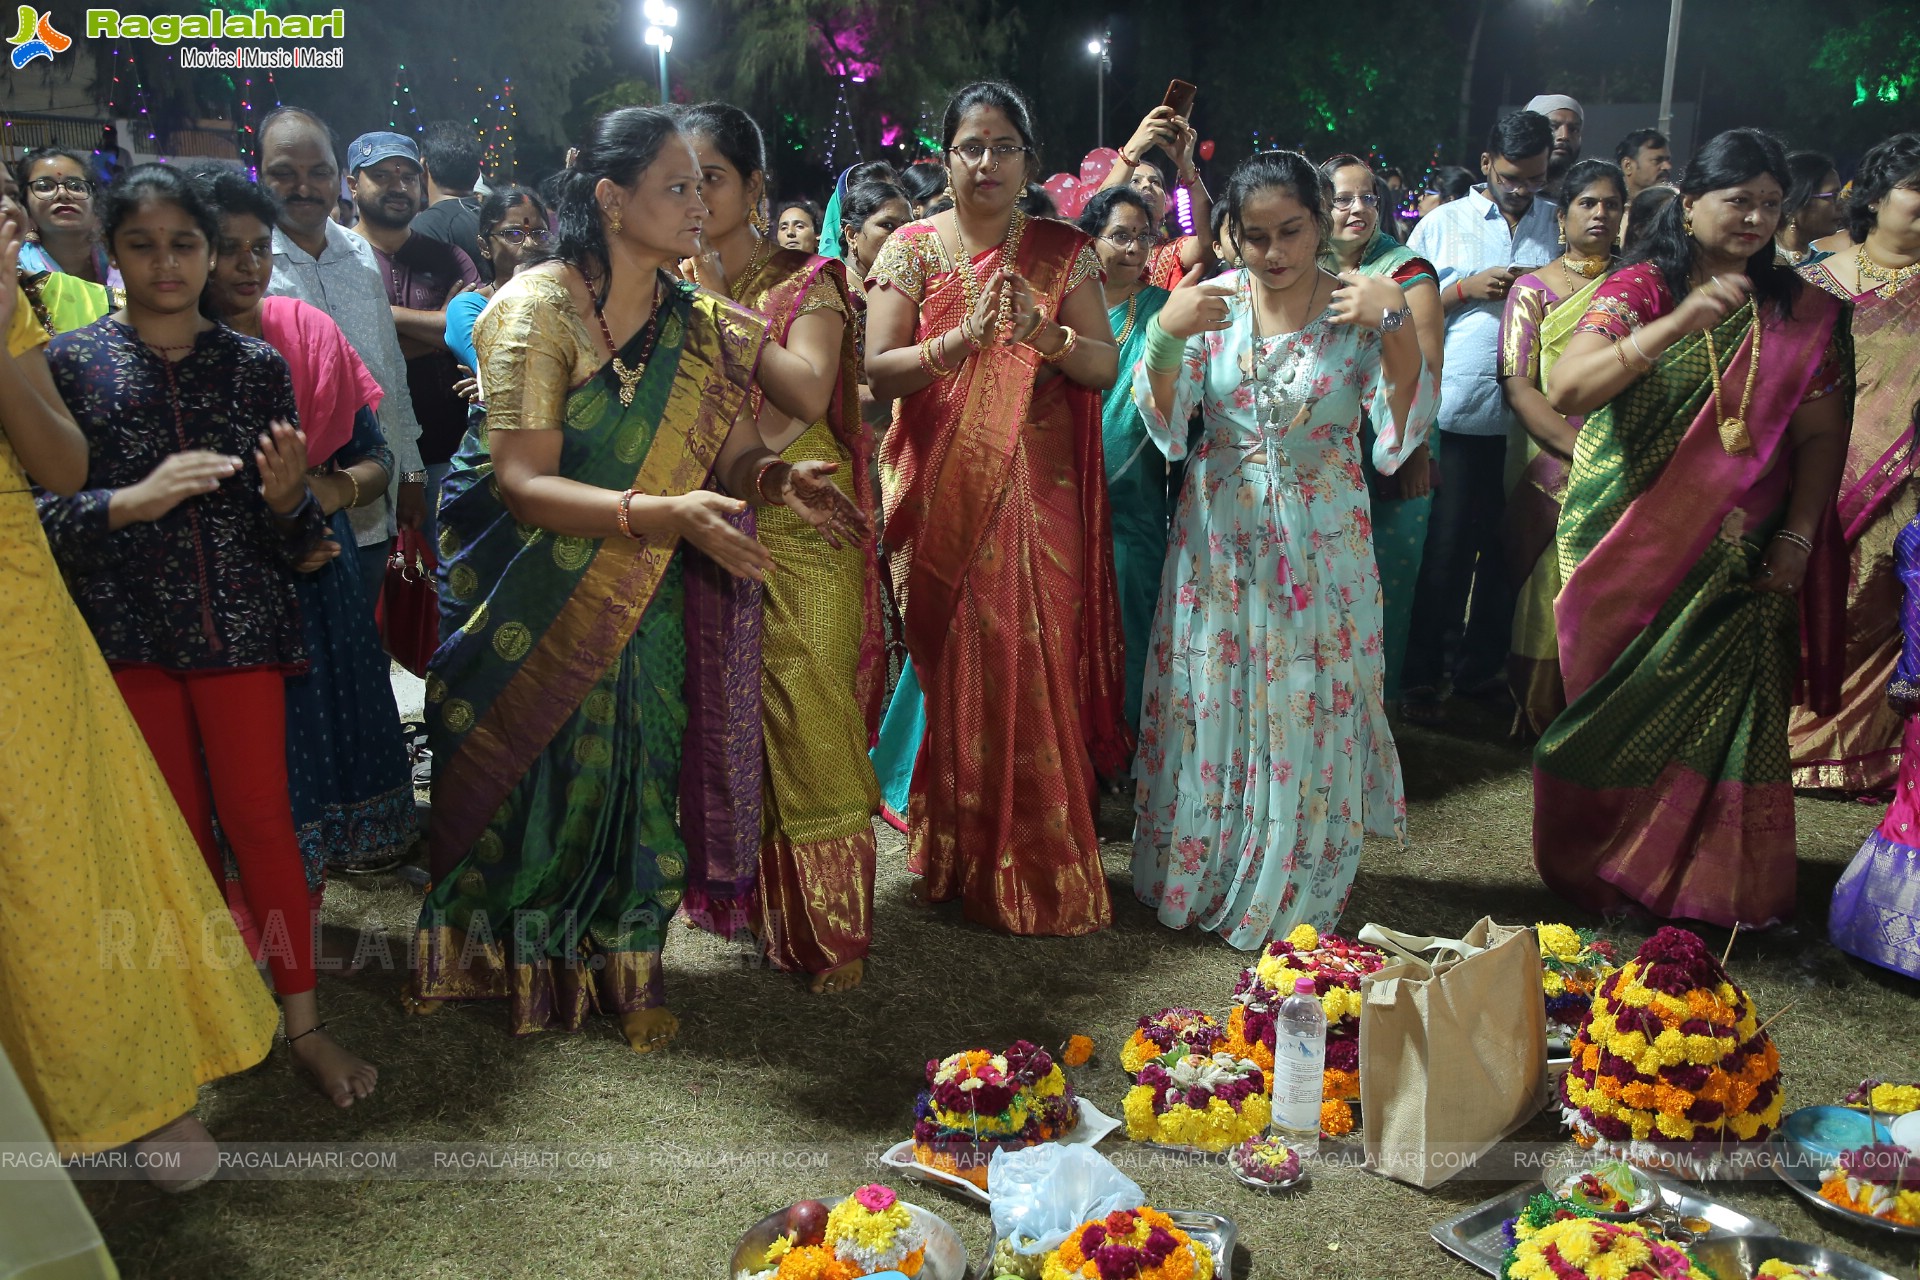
421	1008
648	1029
342	1077
922	892
180	1156
845	978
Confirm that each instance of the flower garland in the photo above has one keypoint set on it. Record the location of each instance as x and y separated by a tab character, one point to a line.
1188	1030
1880	1181
1672	1055
1576	1248
1129	1244
1573	963
1337	967
1192	1100
978	1102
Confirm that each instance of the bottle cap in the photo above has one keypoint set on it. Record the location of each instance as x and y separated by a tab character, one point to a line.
1303	986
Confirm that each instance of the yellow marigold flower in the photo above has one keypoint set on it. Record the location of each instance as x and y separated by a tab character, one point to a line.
1610	1266
1895	1099
1553	983
1631	1246
1558	942
1672	1126
1906	1208
1642	1127
1137	1107
1575	1246
1304	937
1053	1084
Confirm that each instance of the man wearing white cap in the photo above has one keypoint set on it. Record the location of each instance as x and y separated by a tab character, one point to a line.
1567	119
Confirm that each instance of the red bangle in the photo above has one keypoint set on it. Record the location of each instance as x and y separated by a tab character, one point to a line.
624	514
760	480
1460	290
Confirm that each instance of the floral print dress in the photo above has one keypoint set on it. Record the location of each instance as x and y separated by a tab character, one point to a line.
1265	757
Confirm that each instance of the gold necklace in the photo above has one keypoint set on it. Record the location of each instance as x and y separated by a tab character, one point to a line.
1133	311
629	377
762	251
1883	280
1009	247
1585	268
1734	437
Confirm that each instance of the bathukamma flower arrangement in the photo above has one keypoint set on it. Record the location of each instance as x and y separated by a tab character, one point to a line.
1573	964
1129	1244
1188	1030
1673	1066
977	1102
1205	1101
868	1232
1337	965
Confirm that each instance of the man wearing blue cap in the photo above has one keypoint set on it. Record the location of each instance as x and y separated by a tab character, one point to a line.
420	273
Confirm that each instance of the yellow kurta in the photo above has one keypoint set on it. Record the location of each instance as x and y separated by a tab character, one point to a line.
123	984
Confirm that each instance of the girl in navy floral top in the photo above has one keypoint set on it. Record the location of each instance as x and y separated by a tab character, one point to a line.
180	552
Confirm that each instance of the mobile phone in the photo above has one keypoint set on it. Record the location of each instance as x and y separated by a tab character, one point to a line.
1180	98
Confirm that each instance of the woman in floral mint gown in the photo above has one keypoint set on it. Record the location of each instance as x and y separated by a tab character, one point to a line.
1265	756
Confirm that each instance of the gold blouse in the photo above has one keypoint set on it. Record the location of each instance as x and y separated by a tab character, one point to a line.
533	349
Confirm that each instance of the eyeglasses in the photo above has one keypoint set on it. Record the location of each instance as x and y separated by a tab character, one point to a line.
974	152
1518	184
72	186
1350	201
1126	241
520	235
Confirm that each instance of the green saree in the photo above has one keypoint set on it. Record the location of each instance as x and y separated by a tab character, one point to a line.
1665	781
556	705
1137	487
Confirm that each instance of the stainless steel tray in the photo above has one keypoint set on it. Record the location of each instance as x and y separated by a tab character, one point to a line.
1215	1230
1476	1236
1802	1172
1738	1257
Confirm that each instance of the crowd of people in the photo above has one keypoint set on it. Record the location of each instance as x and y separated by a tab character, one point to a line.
755	519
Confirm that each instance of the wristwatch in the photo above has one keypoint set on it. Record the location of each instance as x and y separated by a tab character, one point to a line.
419	477
1391	320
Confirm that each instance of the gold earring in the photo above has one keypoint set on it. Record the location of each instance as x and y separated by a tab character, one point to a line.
761	223
613	220
1686	223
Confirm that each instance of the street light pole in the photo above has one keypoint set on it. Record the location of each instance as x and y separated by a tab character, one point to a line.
661	19
1099	50
1673	56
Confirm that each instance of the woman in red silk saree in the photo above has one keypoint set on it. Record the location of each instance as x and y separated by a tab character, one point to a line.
997	530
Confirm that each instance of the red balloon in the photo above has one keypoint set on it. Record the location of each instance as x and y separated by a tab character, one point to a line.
1059	185
1206	149
1094	169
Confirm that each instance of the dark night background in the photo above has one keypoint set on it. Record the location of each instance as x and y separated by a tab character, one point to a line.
1382	77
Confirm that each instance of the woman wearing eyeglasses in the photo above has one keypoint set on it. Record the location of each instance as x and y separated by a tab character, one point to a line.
1812	208
1125	237
778	788
1401	502
60	190
990	330
513	234
1873	264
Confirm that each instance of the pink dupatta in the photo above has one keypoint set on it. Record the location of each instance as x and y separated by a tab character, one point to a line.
330	381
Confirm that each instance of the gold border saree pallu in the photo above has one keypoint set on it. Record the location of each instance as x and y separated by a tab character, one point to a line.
556	615
1665	781
1001	549
1859	747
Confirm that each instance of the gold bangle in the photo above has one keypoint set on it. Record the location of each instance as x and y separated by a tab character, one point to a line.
1066	347
930	363
356	489
624	513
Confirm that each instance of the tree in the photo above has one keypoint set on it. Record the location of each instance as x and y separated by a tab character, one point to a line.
788	63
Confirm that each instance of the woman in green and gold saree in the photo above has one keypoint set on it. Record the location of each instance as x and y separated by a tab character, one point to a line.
1543	309
1699	549
556	707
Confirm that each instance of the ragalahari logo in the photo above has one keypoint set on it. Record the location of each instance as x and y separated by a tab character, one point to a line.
36	38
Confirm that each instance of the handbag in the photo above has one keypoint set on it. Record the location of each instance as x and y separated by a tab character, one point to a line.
1453	1049
409	608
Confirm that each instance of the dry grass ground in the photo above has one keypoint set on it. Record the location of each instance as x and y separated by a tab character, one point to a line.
772	1095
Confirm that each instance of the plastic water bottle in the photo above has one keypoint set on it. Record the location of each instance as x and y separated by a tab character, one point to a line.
1299	1068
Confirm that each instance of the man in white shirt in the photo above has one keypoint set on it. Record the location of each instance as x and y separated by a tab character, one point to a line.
323	264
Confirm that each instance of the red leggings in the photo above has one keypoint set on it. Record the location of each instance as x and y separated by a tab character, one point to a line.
221	741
